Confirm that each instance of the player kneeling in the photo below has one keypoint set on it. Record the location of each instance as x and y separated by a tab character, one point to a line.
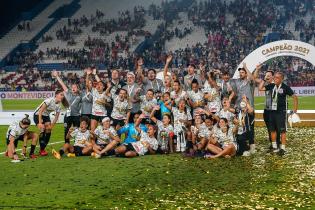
82	144
18	131
146	145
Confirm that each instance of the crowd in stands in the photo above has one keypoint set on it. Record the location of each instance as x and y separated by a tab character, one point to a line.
228	41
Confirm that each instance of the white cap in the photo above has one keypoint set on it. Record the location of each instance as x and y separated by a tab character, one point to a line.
106	119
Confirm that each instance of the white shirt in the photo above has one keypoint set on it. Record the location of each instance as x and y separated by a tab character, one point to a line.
224	138
140	146
120	108
97	109
147	106
51	106
15	130
226	114
177	97
201	132
80	138
103	138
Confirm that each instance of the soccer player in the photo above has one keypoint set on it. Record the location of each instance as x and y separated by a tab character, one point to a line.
73	96
18	131
42	119
82	141
146	145
105	138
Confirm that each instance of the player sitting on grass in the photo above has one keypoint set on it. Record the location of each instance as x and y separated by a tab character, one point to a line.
18	131
82	144
146	145
106	139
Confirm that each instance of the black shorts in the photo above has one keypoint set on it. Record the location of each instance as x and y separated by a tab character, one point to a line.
278	120
44	118
78	150
20	138
242	142
72	120
129	147
86	115
97	118
116	122
102	145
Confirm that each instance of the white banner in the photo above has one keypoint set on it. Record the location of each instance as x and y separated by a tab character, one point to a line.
27	95
275	49
304	91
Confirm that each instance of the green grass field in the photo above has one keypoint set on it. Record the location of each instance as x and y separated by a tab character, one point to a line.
305	103
164	182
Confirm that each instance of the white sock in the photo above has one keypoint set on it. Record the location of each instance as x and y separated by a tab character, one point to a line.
274	145
282	146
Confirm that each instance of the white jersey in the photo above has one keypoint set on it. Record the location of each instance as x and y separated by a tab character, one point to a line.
103	138
120	108
201	131
80	138
15	130
195	96
213	102
147	106
177	97
224	138
178	117
51	105
141	147
98	109
227	115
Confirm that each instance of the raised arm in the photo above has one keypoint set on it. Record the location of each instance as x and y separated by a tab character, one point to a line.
87	80
95	75
256	73
249	74
168	61
261	86
56	75
139	70
152	117
137	123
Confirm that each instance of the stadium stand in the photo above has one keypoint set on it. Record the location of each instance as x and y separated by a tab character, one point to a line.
71	35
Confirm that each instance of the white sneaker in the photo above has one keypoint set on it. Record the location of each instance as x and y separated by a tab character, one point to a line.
246	154
252	149
275	150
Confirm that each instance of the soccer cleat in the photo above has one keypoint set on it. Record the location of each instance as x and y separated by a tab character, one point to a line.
70	155
246	154
275	150
252	149
43	153
56	154
33	156
281	152
98	156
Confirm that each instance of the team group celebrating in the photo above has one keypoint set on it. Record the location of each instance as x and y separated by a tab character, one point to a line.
204	114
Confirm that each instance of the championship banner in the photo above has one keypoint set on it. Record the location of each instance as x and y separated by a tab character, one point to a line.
276	49
27	95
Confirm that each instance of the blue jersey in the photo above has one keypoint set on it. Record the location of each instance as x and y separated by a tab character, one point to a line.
132	132
163	108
